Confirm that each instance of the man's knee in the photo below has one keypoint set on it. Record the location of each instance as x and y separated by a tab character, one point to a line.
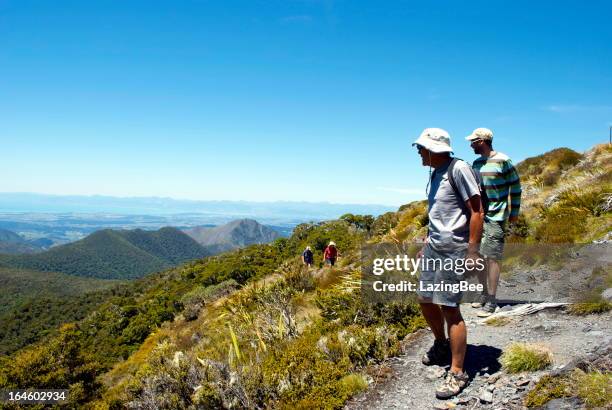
423	300
452	314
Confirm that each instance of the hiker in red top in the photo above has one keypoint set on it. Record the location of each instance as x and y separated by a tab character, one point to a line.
330	254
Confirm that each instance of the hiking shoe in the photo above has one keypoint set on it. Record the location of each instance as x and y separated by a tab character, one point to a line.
439	353
487	310
452	385
480	301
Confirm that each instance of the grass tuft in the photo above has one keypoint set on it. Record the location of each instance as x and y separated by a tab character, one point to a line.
525	357
594	388
587	308
354	383
498	321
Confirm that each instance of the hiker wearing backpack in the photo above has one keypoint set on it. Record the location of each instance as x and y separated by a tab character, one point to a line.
455	227
502	187
330	254
307	257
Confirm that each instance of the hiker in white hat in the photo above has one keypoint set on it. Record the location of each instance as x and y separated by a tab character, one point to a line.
502	194
307	257
455	226
330	254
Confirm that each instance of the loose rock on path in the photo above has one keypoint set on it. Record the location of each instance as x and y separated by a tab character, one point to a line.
411	385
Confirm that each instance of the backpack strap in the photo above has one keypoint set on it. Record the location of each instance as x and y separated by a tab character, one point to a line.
451	180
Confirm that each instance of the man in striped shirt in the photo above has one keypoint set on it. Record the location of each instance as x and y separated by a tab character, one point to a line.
503	201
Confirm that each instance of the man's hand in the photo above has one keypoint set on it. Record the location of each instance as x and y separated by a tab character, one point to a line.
472	252
419	254
513	219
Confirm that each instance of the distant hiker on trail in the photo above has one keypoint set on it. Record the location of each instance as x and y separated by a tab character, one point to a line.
307	257
502	187
330	254
455	227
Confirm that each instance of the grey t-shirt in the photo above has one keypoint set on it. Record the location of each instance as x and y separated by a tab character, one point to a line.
448	216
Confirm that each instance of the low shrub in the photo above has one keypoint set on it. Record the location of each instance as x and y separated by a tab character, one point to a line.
195	300
593	388
561	225
548	388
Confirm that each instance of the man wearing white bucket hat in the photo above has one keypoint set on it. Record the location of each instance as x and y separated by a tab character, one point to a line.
455	227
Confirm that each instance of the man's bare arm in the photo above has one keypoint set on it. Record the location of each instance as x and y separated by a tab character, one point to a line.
474	205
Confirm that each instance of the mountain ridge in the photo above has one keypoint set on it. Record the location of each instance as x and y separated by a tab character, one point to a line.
13	243
114	254
235	234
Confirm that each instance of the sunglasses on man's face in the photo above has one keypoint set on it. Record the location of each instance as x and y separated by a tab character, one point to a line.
419	147
478	141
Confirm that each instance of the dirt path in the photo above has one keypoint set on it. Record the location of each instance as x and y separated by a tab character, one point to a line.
411	385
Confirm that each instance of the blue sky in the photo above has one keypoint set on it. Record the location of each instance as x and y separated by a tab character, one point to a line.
287	100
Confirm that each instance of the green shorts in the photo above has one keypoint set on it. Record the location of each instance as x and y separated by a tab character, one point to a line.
492	244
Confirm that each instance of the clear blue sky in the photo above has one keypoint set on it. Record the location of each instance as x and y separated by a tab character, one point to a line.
287	100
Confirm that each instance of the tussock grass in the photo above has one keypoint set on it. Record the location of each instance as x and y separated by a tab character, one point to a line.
588	308
498	321
354	383
526	357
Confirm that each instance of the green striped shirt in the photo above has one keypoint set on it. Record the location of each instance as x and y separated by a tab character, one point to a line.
502	185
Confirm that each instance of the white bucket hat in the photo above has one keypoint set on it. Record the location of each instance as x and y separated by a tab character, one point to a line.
332	243
435	140
480	134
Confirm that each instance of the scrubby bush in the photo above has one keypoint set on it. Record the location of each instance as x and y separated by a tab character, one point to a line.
593	388
194	300
548	388
301	280
590	200
561	225
413	219
549	165
55	365
518	231
364	222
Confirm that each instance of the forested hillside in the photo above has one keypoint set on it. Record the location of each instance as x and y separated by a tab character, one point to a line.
112	254
33	304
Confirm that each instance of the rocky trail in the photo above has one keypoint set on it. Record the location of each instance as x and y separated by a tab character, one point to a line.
404	383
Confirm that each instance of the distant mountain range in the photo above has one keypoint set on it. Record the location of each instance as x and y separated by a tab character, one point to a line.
236	234
209	212
12	243
130	254
110	254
